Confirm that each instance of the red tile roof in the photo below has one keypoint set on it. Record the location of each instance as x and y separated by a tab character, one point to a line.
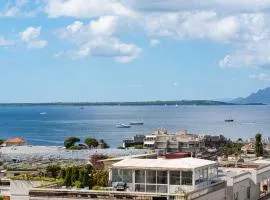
15	140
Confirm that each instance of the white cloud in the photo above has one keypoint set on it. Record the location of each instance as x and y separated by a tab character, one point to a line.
188	25
20	8
260	77
30	36
154	42
253	47
224	6
5	42
244	24
85	8
98	39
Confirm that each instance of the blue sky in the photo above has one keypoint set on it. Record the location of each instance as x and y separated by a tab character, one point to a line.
127	50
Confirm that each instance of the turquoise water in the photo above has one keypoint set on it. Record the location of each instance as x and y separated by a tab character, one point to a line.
58	122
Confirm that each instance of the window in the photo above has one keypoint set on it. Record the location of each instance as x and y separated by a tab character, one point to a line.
186	178
127	176
140	188
162	177
139	176
235	196
174	177
151	188
248	192
151	176
123	175
116	177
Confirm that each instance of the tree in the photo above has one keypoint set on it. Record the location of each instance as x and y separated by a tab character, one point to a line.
1	141
74	174
95	161
84	178
258	145
67	180
69	142
53	170
100	178
105	145
91	142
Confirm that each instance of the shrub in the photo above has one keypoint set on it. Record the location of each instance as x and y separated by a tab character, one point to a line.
91	142
96	187
53	170
69	142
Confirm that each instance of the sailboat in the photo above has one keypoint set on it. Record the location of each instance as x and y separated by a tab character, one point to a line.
230	119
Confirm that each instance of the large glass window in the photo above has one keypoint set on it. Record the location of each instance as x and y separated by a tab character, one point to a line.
174	177
139	176
127	175
162	189
151	188
162	177
186	178
140	188
151	176
123	175
116	177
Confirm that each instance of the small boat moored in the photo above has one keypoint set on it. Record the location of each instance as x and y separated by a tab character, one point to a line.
229	120
123	126
136	123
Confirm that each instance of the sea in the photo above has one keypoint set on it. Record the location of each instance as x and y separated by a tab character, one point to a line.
50	125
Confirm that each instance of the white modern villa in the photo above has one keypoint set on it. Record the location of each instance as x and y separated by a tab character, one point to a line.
169	177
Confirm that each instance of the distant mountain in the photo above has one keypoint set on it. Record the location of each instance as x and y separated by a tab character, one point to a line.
141	103
262	96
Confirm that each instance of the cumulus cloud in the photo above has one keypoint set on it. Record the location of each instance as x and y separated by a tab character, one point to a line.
253	47
260	77
20	8
154	42
31	37
85	8
5	42
98	39
223	6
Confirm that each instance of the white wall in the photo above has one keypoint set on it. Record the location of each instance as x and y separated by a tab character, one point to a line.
19	189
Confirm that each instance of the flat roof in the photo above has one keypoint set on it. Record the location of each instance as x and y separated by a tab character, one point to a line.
173	164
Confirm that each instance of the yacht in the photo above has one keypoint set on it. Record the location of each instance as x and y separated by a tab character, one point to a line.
136	123
123	126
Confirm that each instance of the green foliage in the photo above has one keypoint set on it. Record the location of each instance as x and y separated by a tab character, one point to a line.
1	142
74	174
91	142
60	181
258	145
96	187
1	197
78	184
67	180
231	148
84	178
69	142
75	148
138	147
100	177
28	177
121	147
62	173
53	170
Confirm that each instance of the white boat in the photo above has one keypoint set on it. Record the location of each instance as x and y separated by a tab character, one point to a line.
123	126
